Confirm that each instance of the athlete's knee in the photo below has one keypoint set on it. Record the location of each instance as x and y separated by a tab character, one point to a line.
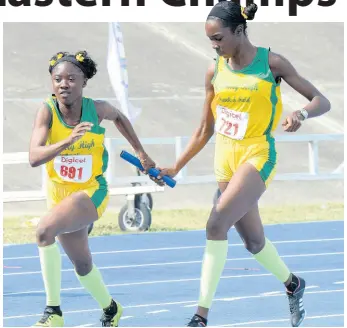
255	244
45	235
216	228
83	266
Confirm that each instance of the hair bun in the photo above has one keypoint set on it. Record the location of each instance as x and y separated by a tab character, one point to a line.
251	10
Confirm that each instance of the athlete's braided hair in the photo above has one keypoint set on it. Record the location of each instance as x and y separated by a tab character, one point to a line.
81	59
232	14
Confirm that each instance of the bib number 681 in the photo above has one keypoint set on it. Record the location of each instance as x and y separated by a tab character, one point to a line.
74	168
71	171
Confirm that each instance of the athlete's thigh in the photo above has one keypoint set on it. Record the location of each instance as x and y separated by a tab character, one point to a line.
76	245
72	213
250	227
241	194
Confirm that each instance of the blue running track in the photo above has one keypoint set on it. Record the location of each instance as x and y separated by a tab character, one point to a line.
156	278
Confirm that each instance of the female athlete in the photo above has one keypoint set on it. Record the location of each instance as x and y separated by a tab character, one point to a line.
243	106
68	139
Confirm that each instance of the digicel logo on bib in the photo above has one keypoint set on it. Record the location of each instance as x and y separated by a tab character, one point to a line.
71	160
292	4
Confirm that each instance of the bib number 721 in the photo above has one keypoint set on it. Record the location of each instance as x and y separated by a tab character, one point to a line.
231	123
229	128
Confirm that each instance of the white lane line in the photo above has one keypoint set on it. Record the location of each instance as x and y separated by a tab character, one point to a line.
187	247
271	293
131	266
278	291
311	287
158	311
238	298
154	282
179	303
191	305
92	324
280	320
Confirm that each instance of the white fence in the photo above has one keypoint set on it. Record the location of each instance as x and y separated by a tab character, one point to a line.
114	146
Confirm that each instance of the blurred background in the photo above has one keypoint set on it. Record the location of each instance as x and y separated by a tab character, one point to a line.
166	66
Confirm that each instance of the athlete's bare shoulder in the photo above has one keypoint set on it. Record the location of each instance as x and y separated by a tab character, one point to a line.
101	108
100	104
106	111
43	114
278	64
211	69
210	74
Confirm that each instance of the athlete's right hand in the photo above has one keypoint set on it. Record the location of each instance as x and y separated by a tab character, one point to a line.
79	131
171	172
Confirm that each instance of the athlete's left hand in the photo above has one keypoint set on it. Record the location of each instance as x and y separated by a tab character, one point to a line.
292	122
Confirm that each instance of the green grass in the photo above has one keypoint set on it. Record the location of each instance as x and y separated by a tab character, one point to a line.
16	229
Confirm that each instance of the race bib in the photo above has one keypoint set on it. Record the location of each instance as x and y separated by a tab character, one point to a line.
231	123
74	168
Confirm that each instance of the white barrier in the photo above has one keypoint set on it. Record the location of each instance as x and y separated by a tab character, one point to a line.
114	147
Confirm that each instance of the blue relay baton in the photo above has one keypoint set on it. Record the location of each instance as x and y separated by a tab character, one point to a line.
152	171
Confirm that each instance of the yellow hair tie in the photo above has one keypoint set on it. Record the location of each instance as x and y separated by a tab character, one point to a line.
80	58
243	13
53	61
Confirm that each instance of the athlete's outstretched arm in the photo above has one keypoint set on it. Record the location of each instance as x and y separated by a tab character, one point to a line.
39	152
318	105
108	112
202	134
